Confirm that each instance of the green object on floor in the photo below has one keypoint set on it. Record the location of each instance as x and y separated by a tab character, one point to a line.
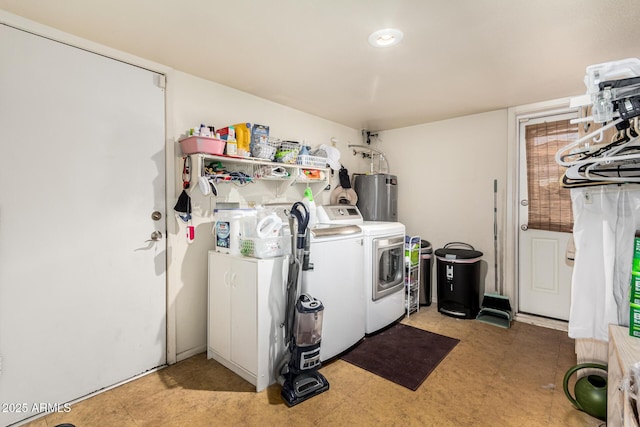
590	391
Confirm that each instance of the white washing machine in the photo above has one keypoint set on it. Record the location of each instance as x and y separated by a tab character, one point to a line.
335	252
383	264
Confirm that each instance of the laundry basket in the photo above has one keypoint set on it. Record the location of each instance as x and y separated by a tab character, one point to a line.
458	270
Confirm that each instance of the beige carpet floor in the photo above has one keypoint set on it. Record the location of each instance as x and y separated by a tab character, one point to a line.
493	377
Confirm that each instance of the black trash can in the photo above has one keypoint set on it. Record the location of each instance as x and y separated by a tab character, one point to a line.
458	271
425	272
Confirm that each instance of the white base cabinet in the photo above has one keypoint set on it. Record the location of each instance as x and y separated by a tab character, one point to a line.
246	309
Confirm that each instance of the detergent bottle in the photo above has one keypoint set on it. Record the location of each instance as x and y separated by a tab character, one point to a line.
307	200
243	138
232	145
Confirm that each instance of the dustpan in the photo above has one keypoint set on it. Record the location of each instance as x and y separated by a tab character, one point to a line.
495	317
495	308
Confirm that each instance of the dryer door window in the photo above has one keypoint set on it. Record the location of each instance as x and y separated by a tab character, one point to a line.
388	274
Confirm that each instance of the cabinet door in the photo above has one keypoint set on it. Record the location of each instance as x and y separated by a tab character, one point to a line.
271	299
219	324
244	335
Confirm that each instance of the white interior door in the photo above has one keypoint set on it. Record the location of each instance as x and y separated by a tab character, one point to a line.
82	291
544	275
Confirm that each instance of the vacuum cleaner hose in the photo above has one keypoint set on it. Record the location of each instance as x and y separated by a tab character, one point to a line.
300	212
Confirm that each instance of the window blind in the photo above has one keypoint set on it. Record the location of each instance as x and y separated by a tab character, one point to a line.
549	203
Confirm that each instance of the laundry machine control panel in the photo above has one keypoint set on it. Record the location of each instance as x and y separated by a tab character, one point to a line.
339	214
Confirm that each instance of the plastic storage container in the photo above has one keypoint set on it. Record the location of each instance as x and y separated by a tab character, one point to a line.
458	271
312	161
411	254
230	225
426	257
265	247
287	152
201	144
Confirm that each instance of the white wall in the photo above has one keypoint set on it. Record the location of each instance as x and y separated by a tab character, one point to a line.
189	102
445	180
445	169
195	101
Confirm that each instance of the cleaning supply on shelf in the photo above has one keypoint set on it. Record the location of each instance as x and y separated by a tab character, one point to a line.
202	130
310	204
259	135
243	138
205	131
269	225
232	146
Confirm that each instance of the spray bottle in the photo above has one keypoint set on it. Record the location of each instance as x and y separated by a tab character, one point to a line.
308	202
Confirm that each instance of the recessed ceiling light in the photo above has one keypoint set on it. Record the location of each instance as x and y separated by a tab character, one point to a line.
385	38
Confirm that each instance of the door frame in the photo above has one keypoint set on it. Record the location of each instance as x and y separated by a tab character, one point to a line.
511	243
170	148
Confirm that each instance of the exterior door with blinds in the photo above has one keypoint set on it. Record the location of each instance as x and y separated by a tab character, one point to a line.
545	218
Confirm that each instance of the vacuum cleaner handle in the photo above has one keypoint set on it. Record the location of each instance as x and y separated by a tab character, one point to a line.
300	212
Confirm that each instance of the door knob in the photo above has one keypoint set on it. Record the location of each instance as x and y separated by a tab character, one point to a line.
524	202
155	236
524	227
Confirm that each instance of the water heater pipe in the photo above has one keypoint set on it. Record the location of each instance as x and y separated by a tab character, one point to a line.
371	153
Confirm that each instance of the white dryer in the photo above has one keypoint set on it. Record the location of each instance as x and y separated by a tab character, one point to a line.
383	264
383	273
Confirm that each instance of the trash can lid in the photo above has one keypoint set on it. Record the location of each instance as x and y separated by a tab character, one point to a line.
425	247
450	253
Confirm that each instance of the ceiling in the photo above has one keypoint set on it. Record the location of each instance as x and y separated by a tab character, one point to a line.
457	57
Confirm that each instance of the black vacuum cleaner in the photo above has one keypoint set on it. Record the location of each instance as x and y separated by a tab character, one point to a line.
298	371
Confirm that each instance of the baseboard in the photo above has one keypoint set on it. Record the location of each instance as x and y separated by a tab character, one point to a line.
544	322
191	352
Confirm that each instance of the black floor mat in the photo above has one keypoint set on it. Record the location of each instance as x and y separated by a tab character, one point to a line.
402	354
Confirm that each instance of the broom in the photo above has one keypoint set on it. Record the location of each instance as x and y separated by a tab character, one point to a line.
495	308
